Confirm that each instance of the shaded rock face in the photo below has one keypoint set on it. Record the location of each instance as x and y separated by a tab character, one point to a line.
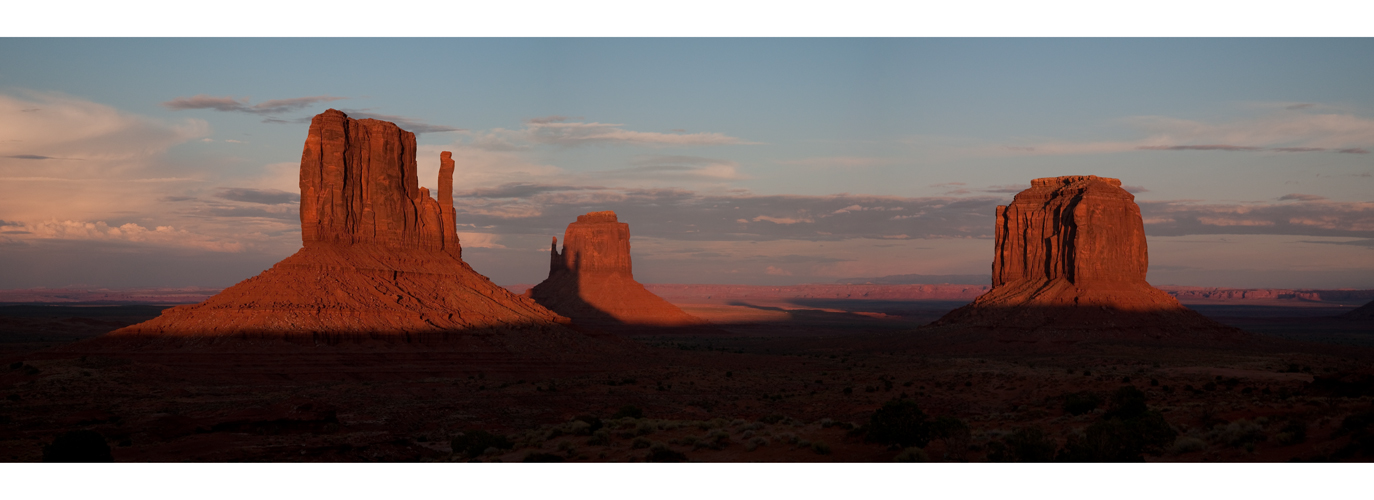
591	280
1069	264
381	258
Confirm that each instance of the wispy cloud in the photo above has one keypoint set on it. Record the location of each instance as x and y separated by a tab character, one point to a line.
677	167
1285	128
230	104
409	124
1294	214
574	134
260	196
843	162
1301	197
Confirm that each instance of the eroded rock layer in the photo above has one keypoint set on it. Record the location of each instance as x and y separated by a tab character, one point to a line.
591	280
381	258
1070	264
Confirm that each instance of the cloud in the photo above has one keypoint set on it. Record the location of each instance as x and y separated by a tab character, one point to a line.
230	104
776	271
550	119
479	240
1295	214
576	134
1301	197
54	229
1302	128
409	124
677	167
262	196
519	190
1204	147
838	162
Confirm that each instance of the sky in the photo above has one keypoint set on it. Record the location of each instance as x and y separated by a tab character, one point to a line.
172	162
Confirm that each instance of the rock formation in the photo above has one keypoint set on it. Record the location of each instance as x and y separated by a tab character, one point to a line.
1070	263
380	257
591	281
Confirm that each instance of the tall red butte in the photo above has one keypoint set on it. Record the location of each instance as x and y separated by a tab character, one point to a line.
591	280
1070	265
380	257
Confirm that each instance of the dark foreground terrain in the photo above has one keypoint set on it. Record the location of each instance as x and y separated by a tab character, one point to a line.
790	379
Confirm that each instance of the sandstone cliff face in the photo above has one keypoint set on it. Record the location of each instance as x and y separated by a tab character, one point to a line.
358	185
591	280
1069	264
381	258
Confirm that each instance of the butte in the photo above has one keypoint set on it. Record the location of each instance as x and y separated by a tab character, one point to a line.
1070	266
591	280
380	260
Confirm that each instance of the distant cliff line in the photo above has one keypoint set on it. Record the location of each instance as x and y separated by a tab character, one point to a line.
1186	294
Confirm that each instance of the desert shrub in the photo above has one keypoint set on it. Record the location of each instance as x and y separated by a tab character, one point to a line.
542	457
1120	440
1294	431
753	444
899	422
1126	403
1126	431
646	428
1031	444
789	437
600	438
820	448
639	444
912	454
629	411
955	434
474	443
1078	403
772	419
665	455
1187	444
718	439
1240	433
78	446
593	423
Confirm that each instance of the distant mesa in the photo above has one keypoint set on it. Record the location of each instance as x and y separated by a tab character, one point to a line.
920	279
380	257
1069	264
591	280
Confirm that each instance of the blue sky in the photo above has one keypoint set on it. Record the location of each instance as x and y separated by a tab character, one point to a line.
749	161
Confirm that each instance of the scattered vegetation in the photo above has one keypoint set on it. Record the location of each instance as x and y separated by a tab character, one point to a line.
476	442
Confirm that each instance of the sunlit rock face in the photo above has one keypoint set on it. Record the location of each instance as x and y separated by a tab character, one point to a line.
1069	262
380	257
591	280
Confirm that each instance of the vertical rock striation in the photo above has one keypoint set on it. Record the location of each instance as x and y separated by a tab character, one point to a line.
1069	264
380	257
591	280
